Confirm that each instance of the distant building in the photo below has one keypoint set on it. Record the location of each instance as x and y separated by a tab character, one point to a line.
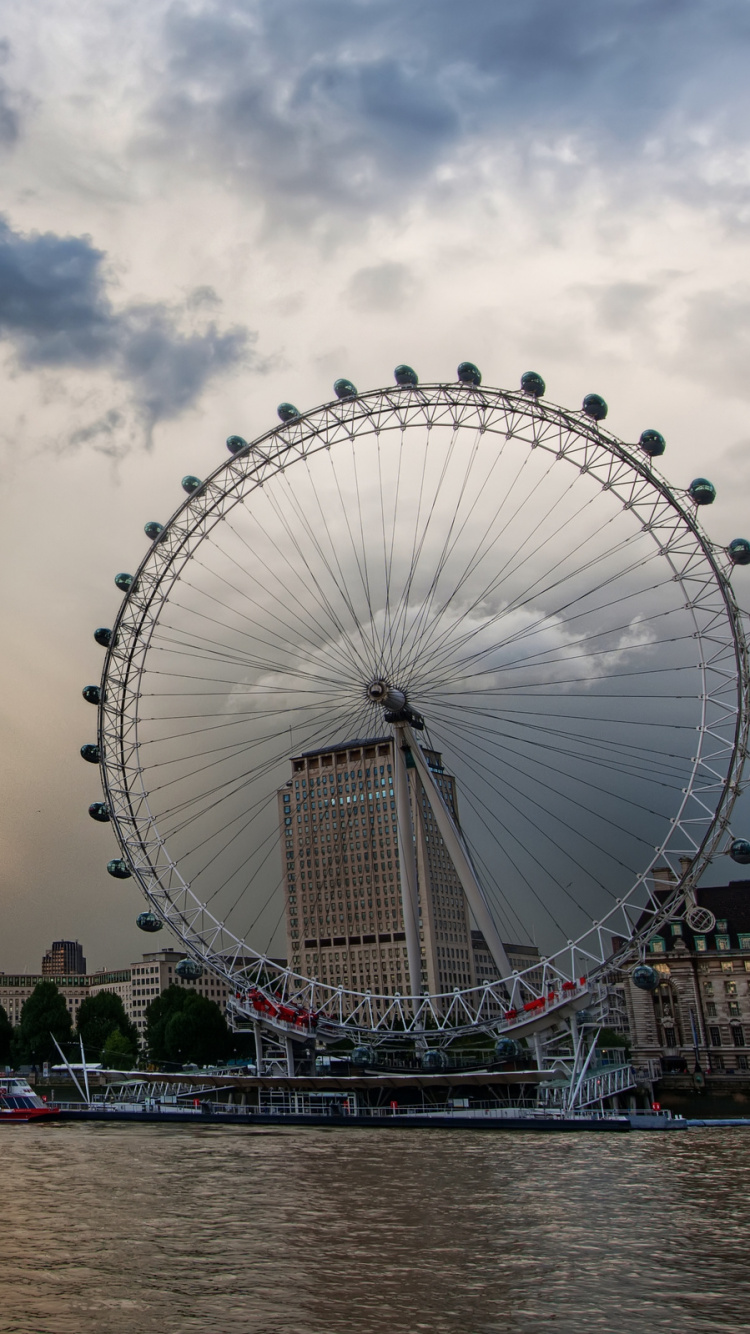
154	972
520	957
136	986
64	956
699	1015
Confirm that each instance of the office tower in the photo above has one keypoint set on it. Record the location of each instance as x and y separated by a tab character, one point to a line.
344	915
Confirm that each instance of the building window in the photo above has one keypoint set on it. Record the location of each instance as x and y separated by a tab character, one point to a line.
670	1037
738	1035
722	942
657	945
744	940
721	924
711	1009
700	944
714	1036
676	928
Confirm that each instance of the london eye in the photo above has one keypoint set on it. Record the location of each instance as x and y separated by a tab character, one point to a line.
521	659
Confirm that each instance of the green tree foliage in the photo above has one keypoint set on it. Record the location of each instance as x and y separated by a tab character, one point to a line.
98	1018
182	1026
119	1052
44	1012
6	1036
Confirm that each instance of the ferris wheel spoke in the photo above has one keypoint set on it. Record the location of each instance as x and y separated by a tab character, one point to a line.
543	836
332	570
539	656
411	641
505	572
550	616
510	838
563	795
295	608
313	590
256	663
586	753
594	751
568	659
418	631
277	642
329	715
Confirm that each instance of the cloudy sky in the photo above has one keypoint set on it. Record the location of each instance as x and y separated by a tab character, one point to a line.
211	207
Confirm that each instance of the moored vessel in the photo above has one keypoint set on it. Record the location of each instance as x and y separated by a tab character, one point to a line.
19	1102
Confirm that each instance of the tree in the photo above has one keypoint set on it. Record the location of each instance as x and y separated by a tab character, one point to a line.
43	1014
182	1026
6	1036
98	1018
119	1052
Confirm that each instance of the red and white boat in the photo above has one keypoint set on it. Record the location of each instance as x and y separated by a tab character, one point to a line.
19	1102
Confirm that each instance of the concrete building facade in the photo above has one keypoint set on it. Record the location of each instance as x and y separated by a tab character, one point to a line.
699	1015
340	857
339	839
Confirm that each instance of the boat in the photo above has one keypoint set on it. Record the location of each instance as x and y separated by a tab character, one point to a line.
19	1102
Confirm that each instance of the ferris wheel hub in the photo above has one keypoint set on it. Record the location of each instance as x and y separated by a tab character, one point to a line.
382	692
394	703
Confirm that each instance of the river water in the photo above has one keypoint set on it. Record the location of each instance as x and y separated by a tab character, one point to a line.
128	1230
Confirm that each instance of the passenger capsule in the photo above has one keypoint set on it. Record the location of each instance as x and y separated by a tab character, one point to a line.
119	869
645	978
702	491
594	406
287	412
148	921
363	1056
344	389
92	694
191	484
152	529
188	968
468	373
653	443
532	384
507	1049
235	443
740	851
90	752
739	551
103	637
124	582
433	1060
98	810
405	375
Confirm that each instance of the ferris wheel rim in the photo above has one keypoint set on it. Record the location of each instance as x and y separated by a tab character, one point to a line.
203	507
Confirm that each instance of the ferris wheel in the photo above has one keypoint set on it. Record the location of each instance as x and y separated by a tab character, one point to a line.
482	584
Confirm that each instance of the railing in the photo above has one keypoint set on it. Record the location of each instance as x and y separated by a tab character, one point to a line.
606	1083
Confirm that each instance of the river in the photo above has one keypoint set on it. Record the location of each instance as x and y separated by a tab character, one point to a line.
128	1230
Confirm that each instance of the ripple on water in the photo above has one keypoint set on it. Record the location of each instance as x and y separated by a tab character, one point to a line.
140	1229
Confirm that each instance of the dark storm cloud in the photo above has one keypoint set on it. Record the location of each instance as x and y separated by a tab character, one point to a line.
9	119
357	104
56	312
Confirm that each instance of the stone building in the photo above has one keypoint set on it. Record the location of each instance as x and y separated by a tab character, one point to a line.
699	1015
